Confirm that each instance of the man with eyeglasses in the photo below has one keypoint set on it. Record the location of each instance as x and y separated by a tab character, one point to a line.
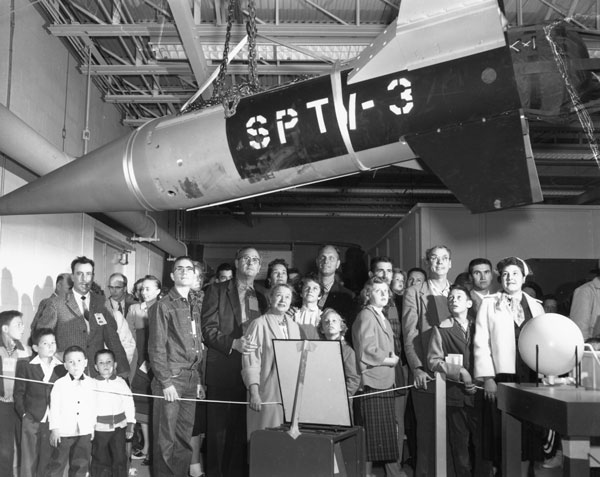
227	311
119	298
120	301
175	350
425	305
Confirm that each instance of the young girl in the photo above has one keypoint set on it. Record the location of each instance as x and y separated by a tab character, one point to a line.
137	318
374	346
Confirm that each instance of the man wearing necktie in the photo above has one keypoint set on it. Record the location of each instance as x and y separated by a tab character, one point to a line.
226	312
335	295
67	317
120	301
425	306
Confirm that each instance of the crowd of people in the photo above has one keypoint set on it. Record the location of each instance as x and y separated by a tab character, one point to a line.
159	374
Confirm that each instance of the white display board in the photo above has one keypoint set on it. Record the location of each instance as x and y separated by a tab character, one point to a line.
324	396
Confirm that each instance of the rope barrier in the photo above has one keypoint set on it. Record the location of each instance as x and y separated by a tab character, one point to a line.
214	401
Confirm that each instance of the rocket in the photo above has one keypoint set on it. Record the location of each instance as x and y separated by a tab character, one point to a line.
438	84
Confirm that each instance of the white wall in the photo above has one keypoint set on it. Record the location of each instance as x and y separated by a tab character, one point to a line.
535	231
39	82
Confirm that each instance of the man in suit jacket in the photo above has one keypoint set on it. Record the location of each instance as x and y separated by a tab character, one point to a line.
425	306
120	301
335	295
62	287
227	309
119	298
84	319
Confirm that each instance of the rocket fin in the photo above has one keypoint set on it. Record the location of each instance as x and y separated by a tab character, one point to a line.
429	32
488	165
411	164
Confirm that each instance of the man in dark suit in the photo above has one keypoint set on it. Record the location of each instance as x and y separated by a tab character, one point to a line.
84	319
227	309
120	299
335	295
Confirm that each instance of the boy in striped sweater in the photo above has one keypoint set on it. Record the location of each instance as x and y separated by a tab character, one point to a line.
11	351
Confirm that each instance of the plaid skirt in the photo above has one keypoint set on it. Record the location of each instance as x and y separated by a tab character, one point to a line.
377	415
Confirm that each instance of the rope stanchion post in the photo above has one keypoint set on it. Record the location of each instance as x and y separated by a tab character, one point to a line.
440	425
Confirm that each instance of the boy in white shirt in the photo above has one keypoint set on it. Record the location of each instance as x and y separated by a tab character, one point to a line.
72	417
115	421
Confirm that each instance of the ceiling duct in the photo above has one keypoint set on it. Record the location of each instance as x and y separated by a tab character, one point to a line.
25	146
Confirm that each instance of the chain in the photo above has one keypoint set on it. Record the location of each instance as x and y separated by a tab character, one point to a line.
220	81
251	30
230	98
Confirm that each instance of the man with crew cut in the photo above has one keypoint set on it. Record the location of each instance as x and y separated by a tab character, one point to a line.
175	350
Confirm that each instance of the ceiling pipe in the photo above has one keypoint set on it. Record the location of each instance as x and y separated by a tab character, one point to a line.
25	146
345	215
402	191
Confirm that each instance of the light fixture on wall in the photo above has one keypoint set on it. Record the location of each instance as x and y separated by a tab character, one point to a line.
124	257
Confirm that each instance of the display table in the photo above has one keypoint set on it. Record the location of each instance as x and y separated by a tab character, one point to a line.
315	453
572	412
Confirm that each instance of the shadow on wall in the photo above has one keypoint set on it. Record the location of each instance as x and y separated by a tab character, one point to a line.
39	293
9	297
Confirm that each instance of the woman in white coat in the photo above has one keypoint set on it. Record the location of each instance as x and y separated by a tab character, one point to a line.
500	319
258	367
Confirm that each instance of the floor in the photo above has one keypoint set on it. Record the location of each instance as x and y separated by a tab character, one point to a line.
539	471
138	470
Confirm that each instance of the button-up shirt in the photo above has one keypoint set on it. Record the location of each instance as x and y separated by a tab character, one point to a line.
80	303
114	404
72	406
175	341
48	369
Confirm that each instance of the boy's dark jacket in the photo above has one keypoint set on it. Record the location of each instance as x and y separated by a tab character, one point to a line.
453	341
34	398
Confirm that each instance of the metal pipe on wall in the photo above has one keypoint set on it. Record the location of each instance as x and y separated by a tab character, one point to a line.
27	147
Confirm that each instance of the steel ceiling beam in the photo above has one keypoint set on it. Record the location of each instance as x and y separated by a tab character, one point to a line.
304	34
181	68
146	98
191	42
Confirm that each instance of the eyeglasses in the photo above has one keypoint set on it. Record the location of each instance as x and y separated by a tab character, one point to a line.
115	288
249	260
329	258
184	269
435	258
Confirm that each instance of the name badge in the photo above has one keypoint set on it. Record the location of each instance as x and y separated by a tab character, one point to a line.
253	303
100	319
